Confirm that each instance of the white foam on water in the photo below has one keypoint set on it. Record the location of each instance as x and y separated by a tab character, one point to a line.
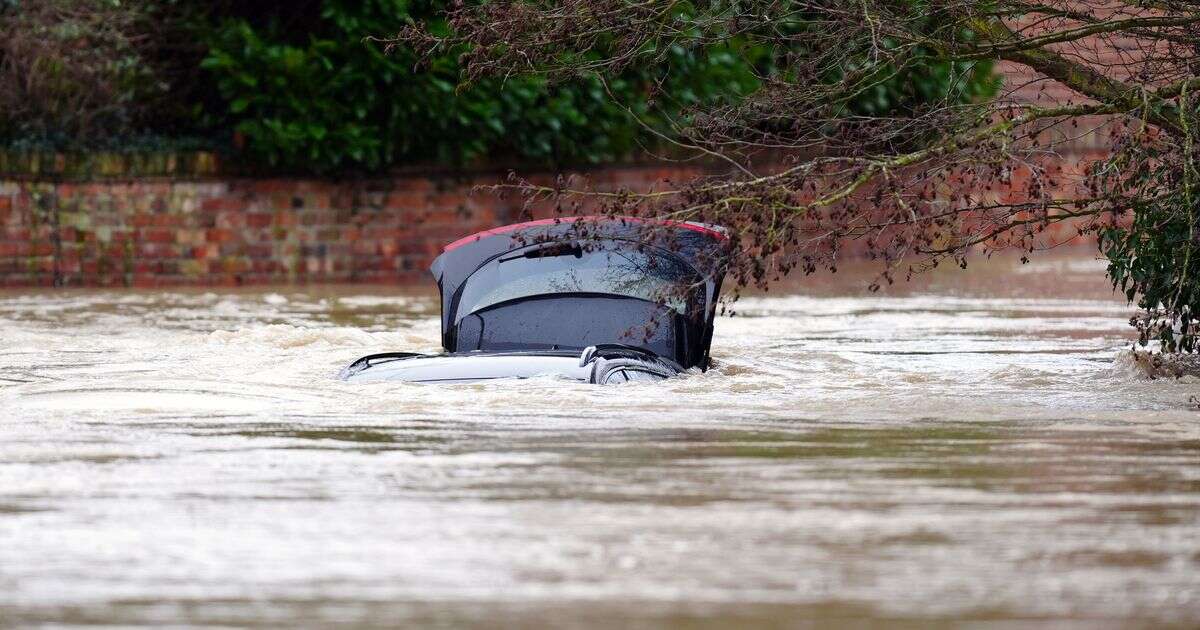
288	336
144	401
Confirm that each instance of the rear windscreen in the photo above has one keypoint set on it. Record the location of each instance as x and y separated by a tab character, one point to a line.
568	268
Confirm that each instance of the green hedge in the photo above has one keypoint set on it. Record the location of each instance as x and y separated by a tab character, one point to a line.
298	87
335	100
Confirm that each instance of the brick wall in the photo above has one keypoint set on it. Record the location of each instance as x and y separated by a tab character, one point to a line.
168	231
160	231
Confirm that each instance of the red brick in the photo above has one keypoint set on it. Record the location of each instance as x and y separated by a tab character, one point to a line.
265	266
282	201
414	184
12	249
156	251
209	250
231	219
235	265
219	235
15	234
268	186
284	218
158	236
258	220
259	251
223	204
365	248
168	220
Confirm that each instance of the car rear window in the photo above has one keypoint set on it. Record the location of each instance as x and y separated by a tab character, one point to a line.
569	268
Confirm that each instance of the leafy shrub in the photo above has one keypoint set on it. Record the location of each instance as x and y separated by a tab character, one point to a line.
101	74
300	87
1154	260
1153	250
332	100
72	68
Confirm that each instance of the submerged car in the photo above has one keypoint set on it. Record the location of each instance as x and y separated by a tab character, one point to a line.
593	299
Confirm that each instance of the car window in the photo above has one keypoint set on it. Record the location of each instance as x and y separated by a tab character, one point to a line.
625	375
566	268
615	376
641	375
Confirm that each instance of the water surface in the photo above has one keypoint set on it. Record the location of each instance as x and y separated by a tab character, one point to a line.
962	451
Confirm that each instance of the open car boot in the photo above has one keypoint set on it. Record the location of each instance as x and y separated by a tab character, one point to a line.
594	299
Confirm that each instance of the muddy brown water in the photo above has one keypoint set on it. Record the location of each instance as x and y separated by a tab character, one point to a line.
968	450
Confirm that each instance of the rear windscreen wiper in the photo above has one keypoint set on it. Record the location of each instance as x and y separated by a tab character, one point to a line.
550	251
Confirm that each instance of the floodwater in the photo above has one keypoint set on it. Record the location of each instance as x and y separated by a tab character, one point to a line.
970	450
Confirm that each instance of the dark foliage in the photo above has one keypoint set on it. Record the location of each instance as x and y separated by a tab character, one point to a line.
72	69
311	91
302	87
